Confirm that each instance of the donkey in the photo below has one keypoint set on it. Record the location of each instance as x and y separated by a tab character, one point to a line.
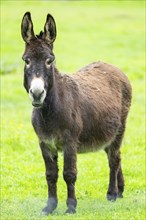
80	112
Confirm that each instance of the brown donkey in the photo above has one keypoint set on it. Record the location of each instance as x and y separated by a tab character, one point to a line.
81	112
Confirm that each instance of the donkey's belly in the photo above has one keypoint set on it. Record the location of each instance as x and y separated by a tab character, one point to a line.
92	145
99	137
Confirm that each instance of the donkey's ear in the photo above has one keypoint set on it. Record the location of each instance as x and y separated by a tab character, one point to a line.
27	28
49	30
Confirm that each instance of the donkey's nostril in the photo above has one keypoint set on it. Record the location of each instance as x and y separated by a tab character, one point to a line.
42	92
36	93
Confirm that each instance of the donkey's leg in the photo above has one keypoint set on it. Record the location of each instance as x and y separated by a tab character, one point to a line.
120	177
114	164
51	177
116	182
120	183
70	174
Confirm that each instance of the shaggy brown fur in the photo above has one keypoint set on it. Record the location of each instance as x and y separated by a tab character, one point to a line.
81	112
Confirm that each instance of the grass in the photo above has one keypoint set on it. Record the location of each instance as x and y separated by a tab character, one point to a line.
112	31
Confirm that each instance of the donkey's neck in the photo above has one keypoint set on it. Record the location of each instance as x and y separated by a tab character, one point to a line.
52	103
48	115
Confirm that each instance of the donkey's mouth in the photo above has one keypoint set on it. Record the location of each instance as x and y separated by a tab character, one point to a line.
37	105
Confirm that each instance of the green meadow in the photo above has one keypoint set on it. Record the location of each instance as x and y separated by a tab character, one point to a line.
112	31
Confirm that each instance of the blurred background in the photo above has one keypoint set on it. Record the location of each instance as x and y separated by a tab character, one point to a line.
87	31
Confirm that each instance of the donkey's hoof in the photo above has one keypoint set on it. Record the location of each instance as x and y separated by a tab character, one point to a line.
47	210
70	210
51	205
111	198
120	195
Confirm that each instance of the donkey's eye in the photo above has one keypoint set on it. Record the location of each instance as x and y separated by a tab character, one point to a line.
48	62
27	62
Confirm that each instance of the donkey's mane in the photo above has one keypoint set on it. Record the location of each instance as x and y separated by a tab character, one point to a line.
39	36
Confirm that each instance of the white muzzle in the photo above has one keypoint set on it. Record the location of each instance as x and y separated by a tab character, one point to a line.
37	92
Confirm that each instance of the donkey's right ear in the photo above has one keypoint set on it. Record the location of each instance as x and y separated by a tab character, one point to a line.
27	28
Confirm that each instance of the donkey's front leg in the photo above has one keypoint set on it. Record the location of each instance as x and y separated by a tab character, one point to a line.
50	160
70	174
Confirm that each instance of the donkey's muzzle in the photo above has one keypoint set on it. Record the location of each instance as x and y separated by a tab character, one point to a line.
37	98
37	92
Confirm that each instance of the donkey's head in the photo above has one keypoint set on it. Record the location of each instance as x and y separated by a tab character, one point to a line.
39	58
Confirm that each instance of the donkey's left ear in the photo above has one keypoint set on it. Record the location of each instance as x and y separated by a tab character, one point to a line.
49	30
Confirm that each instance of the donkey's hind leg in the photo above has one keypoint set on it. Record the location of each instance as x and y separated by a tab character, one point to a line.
120	178
116	181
